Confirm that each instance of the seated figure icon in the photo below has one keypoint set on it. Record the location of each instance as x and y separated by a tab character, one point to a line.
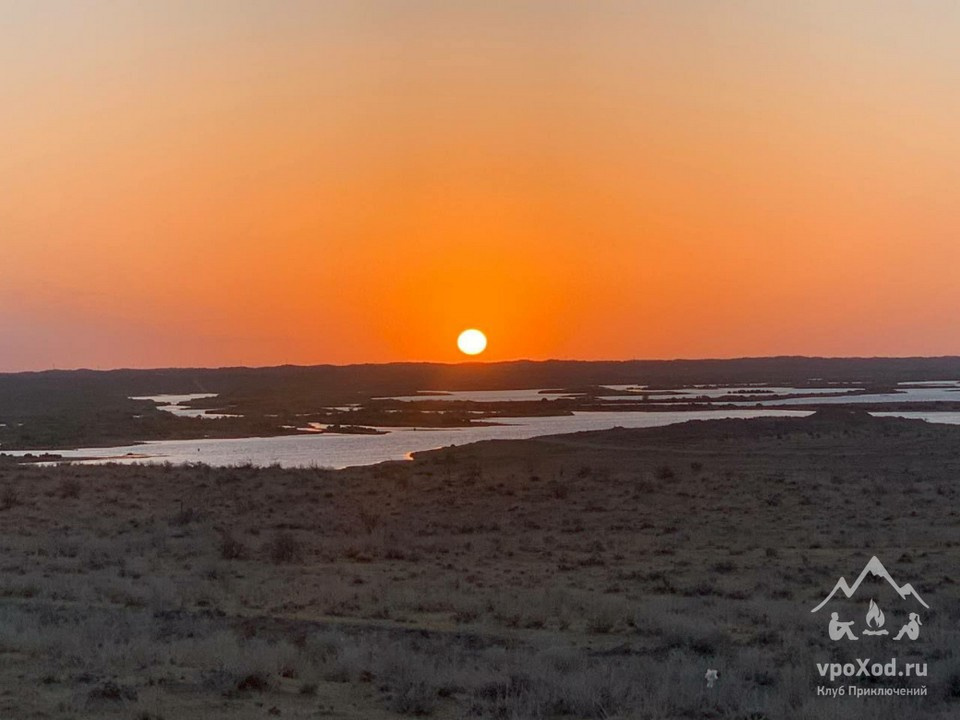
911	628
839	630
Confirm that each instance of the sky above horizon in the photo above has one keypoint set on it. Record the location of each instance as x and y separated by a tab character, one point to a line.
240	182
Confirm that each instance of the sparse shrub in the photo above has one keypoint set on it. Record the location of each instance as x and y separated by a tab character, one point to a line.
9	499
702	589
465	615
369	519
414	698
70	488
285	548
559	490
706	645
600	624
186	515
472	476
696	466
394	553
357	554
665	472
724	566
255	682
602	621
766	637
112	692
764	678
642	488
231	548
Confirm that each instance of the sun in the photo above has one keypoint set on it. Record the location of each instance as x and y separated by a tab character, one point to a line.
472	342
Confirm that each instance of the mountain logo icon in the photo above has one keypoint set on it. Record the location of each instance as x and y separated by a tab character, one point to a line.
875	568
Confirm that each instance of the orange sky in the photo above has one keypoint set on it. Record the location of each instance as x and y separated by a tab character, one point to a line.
238	182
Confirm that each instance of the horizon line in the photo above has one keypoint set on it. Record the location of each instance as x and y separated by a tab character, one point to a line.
464	363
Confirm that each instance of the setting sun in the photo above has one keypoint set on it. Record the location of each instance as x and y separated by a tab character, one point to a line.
472	342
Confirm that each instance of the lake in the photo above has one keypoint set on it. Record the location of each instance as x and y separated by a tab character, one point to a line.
338	451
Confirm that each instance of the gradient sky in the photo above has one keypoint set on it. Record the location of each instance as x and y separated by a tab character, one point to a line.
238	182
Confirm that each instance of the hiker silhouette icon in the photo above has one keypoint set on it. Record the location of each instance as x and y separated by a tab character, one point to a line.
840	630
911	628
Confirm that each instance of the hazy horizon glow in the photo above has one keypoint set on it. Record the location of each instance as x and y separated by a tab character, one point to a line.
251	183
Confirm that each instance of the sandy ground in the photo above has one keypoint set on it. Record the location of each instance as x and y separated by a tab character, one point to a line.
589	575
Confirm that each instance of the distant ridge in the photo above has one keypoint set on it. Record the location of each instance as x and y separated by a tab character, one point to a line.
876	568
403	378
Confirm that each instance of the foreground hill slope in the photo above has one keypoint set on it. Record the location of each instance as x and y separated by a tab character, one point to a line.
587	575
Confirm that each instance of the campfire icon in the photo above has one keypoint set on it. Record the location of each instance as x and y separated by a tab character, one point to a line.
875	620
875	617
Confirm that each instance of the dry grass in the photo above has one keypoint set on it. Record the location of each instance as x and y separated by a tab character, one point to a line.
569	577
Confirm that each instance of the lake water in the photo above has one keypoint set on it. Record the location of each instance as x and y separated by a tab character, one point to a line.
637	390
338	451
909	394
174	404
945	418
484	396
940	390
694	393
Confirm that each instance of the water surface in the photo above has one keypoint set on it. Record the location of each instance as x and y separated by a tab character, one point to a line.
339	451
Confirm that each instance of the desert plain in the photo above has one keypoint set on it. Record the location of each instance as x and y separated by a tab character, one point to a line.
593	575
